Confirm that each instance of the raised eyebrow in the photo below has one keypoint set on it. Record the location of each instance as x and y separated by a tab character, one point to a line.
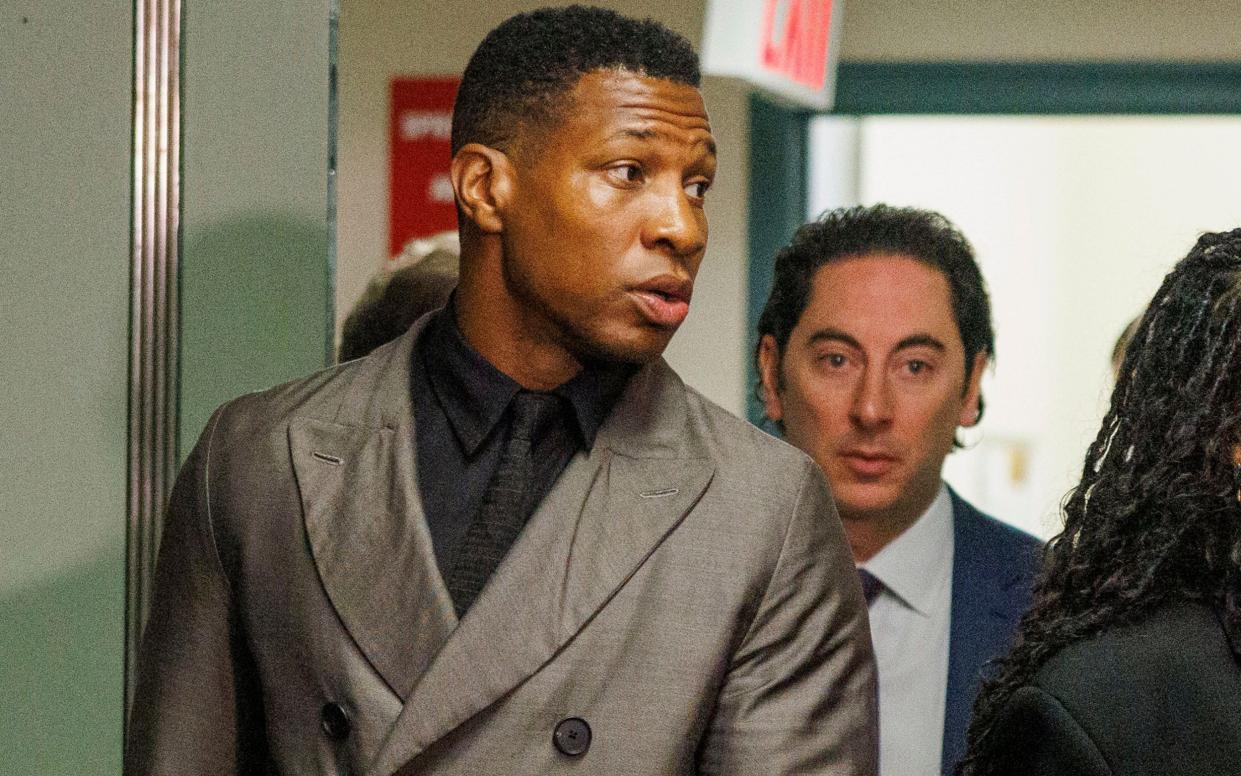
921	341
639	134
833	335
649	134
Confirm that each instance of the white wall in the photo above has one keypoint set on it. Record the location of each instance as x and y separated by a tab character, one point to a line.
1075	221
381	39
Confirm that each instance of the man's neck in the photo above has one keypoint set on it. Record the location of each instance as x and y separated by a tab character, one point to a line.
514	340
870	532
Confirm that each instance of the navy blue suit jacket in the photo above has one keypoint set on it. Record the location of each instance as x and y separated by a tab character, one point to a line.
993	571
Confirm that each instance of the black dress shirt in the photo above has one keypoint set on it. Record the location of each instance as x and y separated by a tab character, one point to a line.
462	418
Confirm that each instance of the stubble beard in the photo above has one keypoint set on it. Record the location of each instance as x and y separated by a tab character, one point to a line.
578	339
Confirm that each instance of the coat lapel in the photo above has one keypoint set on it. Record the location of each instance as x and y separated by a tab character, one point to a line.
608	512
363	515
986	602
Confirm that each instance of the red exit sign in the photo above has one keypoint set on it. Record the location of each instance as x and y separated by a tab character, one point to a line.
784	48
795	38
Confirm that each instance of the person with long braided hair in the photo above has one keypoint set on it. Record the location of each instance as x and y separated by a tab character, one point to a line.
1129	661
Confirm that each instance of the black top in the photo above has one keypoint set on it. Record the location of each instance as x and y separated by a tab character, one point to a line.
462	418
1159	696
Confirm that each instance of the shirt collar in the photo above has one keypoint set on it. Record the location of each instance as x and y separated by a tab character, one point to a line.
592	393
474	394
913	565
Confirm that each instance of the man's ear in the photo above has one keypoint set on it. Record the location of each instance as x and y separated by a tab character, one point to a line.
769	374
971	406
483	180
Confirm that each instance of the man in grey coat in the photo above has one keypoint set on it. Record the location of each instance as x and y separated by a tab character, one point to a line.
512	541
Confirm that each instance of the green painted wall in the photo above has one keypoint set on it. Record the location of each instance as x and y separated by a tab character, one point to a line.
1038	88
65	133
256	274
778	140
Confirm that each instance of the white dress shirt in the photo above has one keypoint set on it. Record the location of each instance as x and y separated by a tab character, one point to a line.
909	622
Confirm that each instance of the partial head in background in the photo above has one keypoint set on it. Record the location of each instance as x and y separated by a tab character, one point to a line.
1157	514
1122	344
417	281
582	156
872	347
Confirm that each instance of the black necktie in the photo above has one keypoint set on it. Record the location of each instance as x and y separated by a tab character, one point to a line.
506	504
871	586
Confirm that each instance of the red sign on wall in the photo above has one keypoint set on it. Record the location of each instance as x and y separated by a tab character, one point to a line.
795	36
420	141
786	48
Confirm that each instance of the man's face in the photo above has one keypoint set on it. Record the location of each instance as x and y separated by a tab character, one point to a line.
605	229
873	383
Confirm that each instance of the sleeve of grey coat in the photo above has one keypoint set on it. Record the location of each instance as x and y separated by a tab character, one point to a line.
800	697
194	710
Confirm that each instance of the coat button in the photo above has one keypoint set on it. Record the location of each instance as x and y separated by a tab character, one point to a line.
572	736
335	721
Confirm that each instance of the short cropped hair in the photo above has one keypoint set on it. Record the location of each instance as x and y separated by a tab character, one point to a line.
851	232
421	279
522	71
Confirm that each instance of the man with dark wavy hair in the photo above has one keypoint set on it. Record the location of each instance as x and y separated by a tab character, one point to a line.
512	541
873	344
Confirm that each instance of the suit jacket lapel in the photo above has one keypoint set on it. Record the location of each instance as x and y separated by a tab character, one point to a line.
363	514
981	622
607	513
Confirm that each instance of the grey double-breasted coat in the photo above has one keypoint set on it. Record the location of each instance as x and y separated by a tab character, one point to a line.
685	590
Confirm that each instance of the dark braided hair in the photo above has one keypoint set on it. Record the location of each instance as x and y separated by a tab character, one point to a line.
1156	517
520	74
